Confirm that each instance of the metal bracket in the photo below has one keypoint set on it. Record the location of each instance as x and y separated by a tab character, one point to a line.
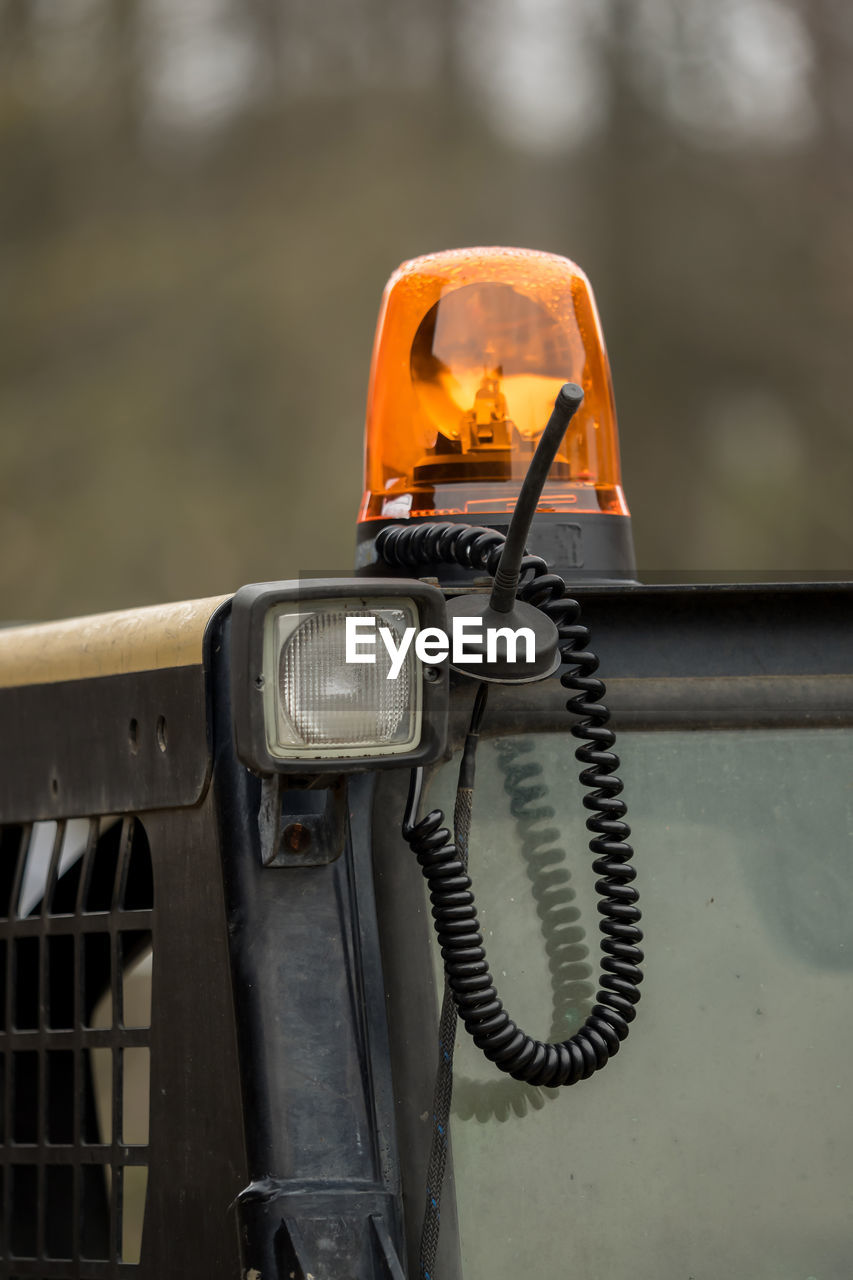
387	1253
301	826
295	1256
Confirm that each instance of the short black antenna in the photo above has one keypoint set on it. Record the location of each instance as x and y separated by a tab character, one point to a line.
569	400
502	614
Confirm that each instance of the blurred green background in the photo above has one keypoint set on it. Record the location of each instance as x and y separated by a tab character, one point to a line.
202	199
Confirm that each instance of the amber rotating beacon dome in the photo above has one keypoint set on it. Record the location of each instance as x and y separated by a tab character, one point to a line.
472	346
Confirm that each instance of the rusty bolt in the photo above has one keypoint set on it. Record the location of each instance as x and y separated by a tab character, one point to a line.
297	837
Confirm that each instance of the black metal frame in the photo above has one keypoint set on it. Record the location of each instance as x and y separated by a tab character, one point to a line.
322	1196
673	658
275	1085
271	1140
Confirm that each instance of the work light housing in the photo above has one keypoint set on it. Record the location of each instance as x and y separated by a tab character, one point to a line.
317	689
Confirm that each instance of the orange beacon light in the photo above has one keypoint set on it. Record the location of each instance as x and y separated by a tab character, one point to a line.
471	348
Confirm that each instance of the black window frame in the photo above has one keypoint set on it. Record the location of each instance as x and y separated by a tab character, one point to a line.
672	658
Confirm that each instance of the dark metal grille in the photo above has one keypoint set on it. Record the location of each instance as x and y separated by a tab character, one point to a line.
76	907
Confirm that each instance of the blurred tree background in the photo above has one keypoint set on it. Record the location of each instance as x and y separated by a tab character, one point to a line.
202	199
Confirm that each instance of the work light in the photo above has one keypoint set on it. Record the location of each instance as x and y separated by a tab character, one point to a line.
326	675
317	700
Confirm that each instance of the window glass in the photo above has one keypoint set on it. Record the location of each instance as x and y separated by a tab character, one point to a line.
719	1142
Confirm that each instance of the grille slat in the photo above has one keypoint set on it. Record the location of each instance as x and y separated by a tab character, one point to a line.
53	868
105	1154
95	922
18	873
85	1037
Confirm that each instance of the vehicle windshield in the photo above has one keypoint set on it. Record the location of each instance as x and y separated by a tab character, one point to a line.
720	1141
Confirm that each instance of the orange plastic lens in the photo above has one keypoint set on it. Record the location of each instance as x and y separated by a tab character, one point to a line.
471	348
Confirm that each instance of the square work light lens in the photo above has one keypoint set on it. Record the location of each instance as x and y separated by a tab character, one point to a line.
319	702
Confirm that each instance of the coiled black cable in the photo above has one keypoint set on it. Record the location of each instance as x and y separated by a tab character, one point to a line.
453	907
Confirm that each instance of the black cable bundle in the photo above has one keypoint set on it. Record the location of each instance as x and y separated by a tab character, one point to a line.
443	1091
